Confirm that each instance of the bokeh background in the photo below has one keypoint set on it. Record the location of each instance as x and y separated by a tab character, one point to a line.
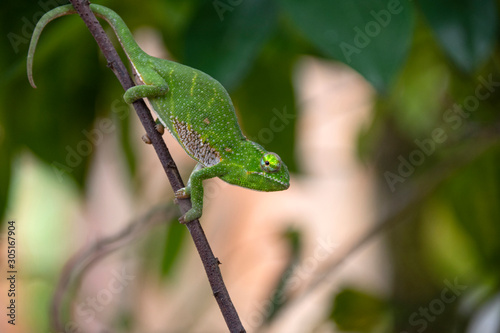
386	112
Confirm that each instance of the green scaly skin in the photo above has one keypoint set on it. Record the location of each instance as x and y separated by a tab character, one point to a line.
198	112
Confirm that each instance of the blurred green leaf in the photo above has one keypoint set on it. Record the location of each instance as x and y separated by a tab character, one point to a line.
445	245
473	196
466	29
416	99
176	234
266	104
354	310
224	39
373	37
5	173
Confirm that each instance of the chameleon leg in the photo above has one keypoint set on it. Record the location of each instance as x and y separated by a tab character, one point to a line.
194	189
185	192
154	86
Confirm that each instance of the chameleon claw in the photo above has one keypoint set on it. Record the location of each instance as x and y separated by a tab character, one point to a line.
146	139
181	194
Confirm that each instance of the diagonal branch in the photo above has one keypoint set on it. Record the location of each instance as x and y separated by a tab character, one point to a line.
210	262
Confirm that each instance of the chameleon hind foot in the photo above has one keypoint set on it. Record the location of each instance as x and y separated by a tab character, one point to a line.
191	214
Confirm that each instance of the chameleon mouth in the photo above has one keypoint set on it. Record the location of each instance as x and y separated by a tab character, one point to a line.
283	184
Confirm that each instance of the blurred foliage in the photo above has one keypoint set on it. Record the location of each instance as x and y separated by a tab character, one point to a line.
434	64
176	234
354	310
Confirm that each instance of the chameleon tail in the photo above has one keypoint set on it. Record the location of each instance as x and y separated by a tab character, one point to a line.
115	21
44	20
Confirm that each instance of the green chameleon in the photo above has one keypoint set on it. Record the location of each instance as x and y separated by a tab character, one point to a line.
197	111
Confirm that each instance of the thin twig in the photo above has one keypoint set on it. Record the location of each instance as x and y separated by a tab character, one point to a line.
78	265
210	262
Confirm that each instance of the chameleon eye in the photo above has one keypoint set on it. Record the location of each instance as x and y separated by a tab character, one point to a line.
270	162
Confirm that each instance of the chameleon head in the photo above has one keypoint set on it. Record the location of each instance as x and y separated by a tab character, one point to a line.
273	174
260	170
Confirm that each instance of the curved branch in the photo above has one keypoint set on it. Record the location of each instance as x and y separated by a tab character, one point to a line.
79	264
210	262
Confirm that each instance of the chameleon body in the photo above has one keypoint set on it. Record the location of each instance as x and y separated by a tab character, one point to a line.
197	111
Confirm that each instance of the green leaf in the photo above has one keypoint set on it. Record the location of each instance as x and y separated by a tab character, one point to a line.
466	29
266	104
354	310
473	195
224	39
176	234
416	98
5	172
373	37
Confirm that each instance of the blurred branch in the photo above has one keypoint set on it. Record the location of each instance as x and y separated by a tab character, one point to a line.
477	144
79	264
210	262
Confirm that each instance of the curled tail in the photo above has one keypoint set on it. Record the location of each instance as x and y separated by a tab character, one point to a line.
115	21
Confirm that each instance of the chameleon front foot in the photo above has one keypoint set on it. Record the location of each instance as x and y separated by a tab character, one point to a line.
190	215
183	193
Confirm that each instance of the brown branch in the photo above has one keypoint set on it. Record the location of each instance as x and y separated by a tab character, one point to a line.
210	262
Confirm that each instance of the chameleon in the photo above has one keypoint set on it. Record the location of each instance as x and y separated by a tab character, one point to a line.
198	112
